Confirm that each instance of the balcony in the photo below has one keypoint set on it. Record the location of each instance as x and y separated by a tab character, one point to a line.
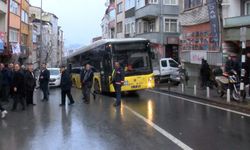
232	28
240	21
153	10
3	7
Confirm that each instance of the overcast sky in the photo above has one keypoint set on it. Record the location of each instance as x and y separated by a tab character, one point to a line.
80	19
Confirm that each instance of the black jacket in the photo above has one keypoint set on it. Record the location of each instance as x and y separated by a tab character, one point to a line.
30	81
18	82
66	82
118	76
88	81
46	76
6	77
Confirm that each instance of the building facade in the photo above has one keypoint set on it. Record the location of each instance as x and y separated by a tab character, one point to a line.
155	20
3	25
109	20
235	15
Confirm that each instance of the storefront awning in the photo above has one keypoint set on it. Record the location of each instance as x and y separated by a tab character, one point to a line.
233	34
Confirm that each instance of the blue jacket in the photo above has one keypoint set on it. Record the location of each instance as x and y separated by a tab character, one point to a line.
6	77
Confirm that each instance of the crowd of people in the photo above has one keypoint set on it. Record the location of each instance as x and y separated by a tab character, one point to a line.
233	62
18	84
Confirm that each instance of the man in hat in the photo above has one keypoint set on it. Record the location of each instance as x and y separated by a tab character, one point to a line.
66	85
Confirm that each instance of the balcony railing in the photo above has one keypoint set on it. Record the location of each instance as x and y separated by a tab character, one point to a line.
239	21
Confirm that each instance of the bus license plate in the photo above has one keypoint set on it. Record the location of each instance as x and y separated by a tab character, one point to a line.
135	86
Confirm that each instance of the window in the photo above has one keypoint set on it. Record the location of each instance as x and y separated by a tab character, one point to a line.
129	4
171	25
247	8
14	8
127	28
192	3
24	39
173	64
119	27
14	35
164	63
25	17
170	2
119	8
149	26
140	27
151	1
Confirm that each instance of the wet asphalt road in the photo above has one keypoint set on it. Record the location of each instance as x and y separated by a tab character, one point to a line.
100	126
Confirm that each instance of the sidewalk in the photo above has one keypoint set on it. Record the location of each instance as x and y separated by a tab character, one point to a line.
201	94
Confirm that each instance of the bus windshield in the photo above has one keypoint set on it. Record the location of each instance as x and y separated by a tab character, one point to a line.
134	62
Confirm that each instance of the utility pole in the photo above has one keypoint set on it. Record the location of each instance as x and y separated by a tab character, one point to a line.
41	33
243	31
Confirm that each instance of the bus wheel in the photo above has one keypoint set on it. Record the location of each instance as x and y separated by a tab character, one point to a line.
97	87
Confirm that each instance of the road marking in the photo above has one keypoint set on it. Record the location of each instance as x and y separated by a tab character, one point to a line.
159	129
201	103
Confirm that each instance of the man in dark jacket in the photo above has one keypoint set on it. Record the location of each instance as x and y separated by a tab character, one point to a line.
30	84
87	81
205	73
118	81
18	88
247	68
6	83
66	85
3	111
44	82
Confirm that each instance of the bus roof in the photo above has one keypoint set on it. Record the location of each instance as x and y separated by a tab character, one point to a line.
104	41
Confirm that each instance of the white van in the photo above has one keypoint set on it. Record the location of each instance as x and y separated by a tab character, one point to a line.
55	77
168	70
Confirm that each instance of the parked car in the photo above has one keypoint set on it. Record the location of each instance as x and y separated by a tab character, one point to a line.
55	77
168	70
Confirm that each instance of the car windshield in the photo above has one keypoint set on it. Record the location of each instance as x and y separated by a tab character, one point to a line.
54	72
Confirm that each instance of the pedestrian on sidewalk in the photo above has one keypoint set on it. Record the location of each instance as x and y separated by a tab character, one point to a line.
18	88
118	81
44	82
66	85
30	84
87	82
205	74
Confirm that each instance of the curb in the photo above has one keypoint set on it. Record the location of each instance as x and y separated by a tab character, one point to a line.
231	105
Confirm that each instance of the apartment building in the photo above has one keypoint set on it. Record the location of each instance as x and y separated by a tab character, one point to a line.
3	25
120	17
157	20
25	37
109	20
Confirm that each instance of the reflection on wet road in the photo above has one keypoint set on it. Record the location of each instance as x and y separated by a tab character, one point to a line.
100	126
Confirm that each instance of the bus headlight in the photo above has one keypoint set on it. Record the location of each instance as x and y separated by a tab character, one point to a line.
150	82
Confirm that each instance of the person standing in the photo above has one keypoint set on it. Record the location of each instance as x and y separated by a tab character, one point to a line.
6	83
118	81
44	82
205	73
30	84
11	72
247	68
3	111
87	82
18	88
66	85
